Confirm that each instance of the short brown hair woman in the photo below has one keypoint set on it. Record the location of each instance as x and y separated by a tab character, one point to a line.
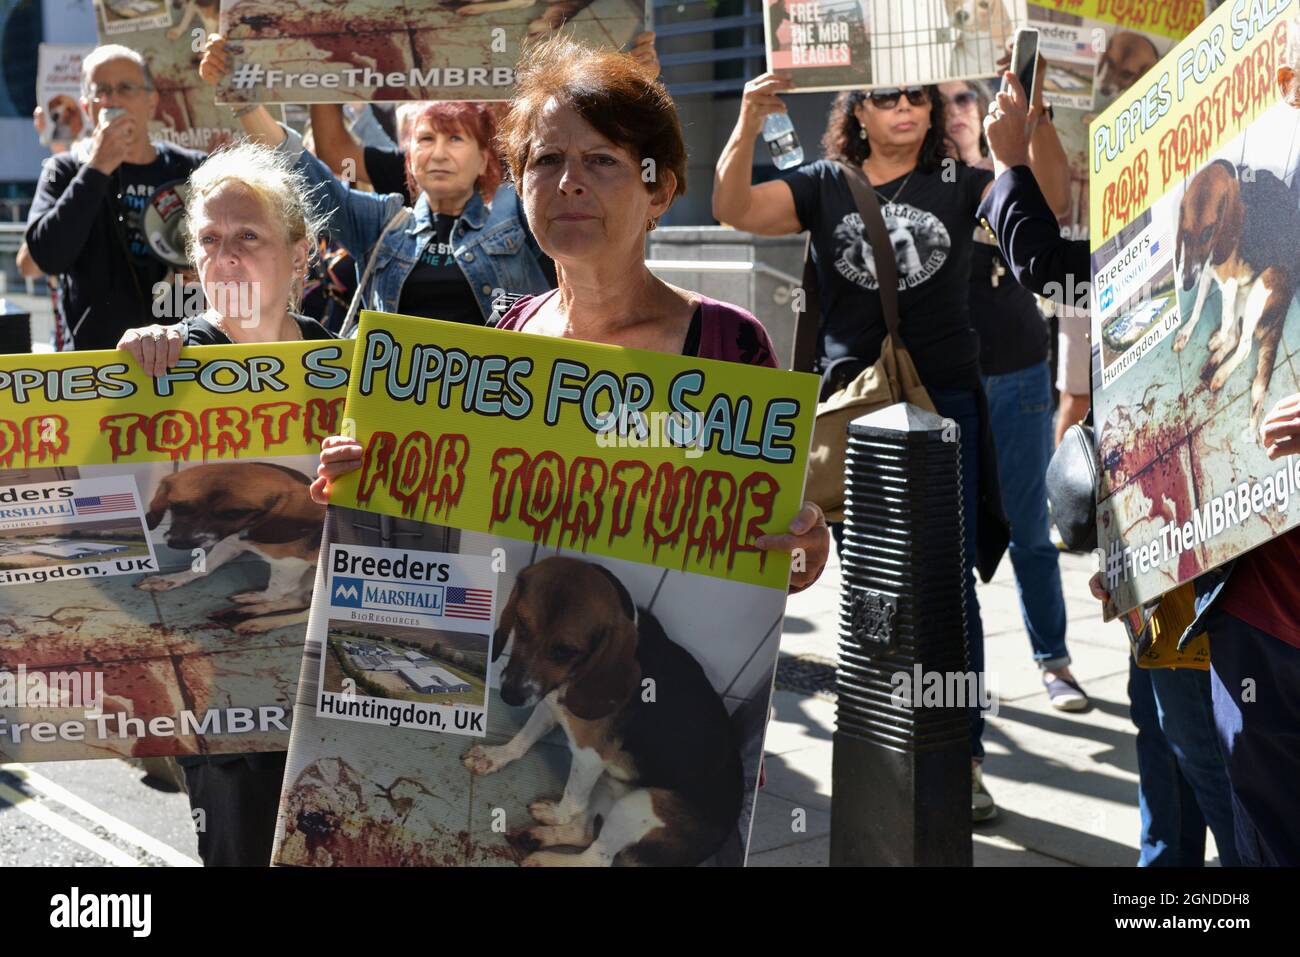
596	149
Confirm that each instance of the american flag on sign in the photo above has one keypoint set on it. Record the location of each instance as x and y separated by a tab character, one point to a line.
98	504
469	603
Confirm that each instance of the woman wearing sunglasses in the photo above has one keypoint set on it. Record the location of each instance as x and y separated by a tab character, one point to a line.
1016	373
896	139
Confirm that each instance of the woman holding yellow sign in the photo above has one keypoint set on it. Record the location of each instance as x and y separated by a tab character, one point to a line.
251	234
583	129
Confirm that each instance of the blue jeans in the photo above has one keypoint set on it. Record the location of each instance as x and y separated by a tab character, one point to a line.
962	406
1020	411
1256	682
1182	780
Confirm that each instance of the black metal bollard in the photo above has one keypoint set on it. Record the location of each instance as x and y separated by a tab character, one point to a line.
901	775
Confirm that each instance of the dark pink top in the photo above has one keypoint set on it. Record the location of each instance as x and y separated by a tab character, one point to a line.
718	330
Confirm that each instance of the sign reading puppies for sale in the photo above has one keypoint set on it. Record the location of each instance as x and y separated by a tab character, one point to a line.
157	547
1195	323
542	633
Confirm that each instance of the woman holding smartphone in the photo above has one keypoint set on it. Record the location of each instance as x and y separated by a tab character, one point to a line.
894	138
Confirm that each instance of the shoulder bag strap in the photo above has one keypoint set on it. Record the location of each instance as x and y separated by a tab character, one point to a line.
809	317
881	249
349	327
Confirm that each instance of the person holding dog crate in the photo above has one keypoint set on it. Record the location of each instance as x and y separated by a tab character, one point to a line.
250	227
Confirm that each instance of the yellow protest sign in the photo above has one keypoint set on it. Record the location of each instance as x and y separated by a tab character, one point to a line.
96	408
1206	91
1169	18
157	547
624	453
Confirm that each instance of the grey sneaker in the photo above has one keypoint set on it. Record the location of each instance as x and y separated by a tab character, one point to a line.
982	807
1065	694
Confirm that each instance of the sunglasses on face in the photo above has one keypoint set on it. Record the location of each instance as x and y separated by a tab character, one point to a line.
887	98
961	101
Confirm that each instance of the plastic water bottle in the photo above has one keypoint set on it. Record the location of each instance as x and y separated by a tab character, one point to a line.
780	137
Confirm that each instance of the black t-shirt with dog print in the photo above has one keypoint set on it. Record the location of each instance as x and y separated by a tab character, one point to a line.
931	222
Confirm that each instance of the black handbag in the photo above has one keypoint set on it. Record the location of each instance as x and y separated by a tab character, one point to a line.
1072	480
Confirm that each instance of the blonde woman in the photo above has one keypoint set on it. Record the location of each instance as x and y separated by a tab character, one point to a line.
251	236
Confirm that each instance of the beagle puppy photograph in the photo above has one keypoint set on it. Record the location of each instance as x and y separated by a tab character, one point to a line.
223	510
979	32
1236	231
625	715
655	777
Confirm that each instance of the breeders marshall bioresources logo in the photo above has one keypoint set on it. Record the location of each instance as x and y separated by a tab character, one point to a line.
1127	270
432	600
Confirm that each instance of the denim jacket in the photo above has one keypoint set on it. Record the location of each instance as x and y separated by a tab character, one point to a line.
494	247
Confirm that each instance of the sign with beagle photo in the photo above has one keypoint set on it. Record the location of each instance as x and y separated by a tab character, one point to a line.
169	35
157	542
1095	51
1195	318
541	613
349	51
832	45
58	93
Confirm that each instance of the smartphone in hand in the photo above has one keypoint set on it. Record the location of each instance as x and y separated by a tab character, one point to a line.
1024	60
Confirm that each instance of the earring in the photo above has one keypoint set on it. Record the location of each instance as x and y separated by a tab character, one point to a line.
862	132
651	225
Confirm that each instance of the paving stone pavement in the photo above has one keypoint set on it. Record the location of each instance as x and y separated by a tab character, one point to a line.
1065	784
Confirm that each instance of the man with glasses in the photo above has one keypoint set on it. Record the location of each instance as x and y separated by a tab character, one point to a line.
86	223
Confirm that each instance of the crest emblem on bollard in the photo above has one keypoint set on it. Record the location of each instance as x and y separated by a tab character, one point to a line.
873	617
